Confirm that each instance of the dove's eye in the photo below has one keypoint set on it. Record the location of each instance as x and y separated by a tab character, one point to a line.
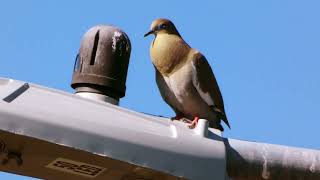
163	26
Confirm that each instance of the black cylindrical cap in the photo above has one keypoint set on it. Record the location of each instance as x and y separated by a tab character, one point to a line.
102	62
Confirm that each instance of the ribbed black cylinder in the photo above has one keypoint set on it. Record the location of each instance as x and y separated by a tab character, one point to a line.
102	62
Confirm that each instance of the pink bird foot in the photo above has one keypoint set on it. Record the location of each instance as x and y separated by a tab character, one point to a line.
194	123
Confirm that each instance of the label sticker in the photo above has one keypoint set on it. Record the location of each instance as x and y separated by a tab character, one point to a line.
74	167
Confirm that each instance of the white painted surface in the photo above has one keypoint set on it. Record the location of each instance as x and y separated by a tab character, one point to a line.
107	130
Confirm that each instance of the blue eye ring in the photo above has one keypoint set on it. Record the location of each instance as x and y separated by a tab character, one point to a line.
162	26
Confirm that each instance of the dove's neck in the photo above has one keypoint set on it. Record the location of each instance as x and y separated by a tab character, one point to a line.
168	53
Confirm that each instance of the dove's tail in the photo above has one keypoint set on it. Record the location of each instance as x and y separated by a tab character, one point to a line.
216	125
221	115
225	120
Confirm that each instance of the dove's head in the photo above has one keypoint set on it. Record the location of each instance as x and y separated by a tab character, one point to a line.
162	26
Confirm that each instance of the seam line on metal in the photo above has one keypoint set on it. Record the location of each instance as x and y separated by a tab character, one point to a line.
16	93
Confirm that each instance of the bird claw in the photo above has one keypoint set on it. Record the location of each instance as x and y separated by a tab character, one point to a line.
194	123
177	117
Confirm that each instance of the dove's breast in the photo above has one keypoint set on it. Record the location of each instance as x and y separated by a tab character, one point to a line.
186	100
168	53
180	83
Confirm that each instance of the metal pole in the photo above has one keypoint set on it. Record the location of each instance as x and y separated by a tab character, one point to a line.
252	160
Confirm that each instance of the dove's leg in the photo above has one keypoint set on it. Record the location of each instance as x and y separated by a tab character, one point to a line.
177	117
180	117
194	122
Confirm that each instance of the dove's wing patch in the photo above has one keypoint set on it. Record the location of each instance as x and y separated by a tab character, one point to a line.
206	84
204	81
204	95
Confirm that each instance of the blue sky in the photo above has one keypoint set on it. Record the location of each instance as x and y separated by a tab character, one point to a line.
265	55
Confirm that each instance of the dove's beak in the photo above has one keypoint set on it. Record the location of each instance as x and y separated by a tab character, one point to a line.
148	33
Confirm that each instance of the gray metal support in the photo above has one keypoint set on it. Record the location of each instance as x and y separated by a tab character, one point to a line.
41	126
58	135
252	160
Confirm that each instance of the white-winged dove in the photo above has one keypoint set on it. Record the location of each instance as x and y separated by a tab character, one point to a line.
184	77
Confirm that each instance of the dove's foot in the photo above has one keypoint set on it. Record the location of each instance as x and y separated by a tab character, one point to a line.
177	117
194	123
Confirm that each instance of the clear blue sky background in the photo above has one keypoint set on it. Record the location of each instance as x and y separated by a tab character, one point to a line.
265	54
